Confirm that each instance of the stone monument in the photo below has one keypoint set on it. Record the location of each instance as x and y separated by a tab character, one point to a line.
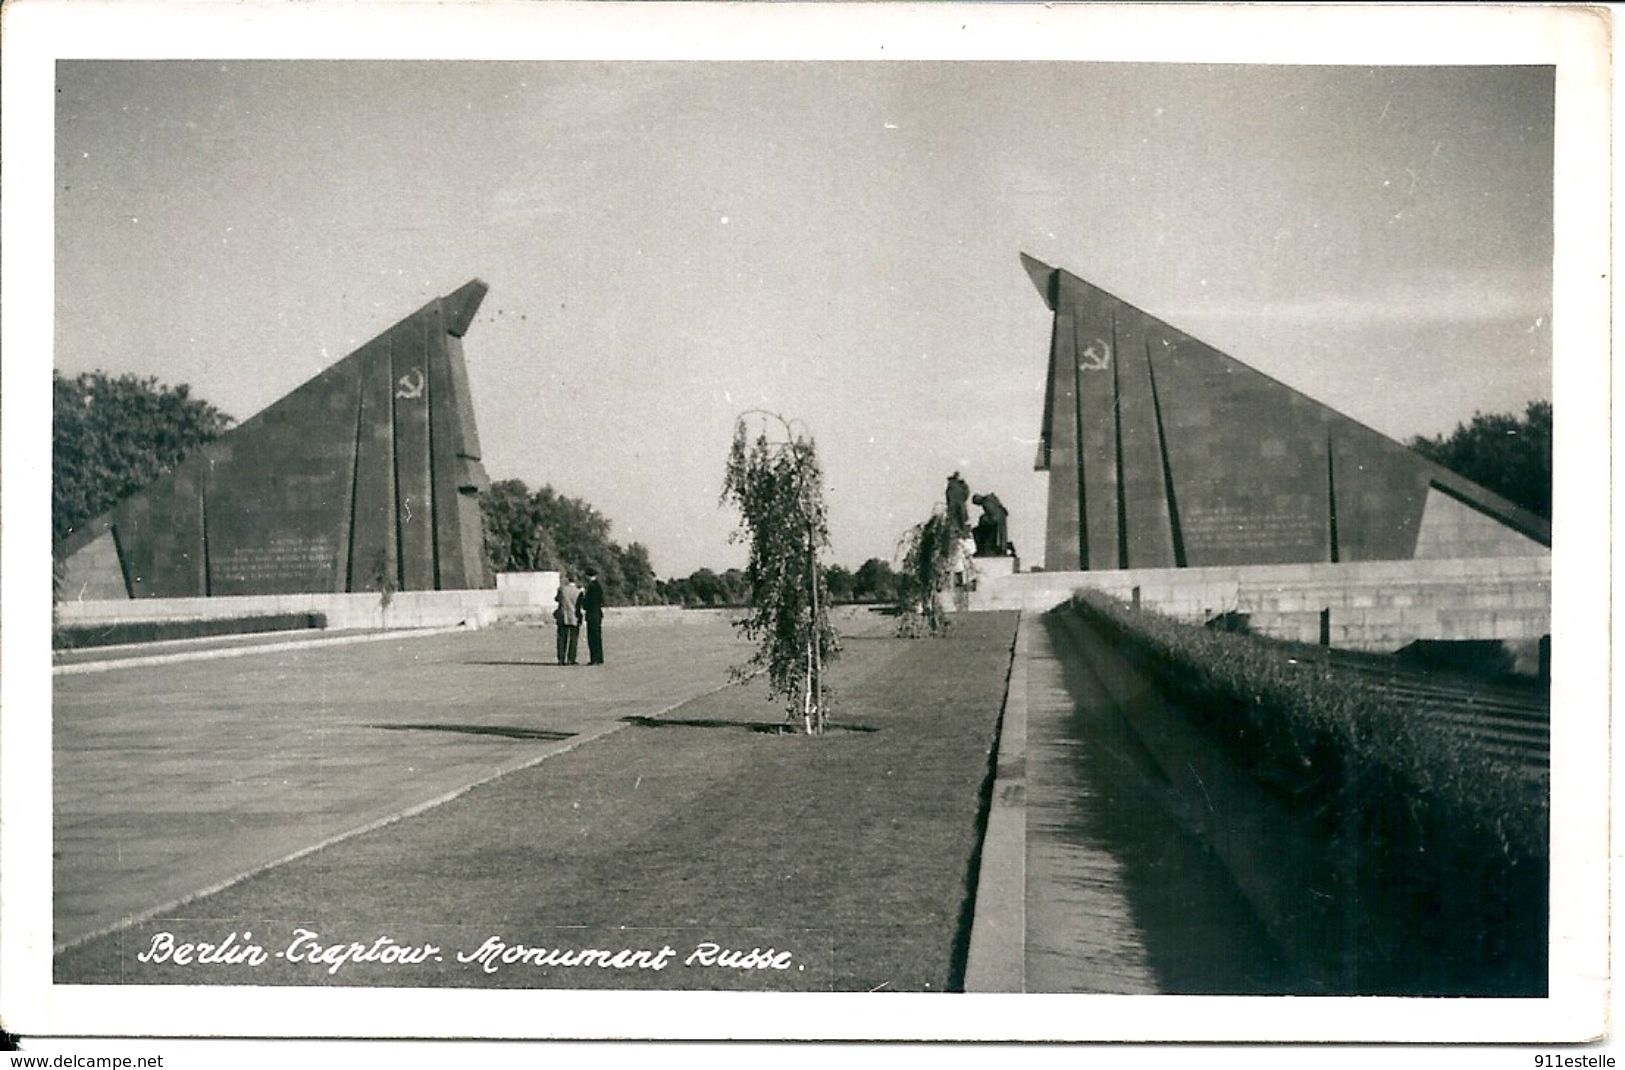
992	532
1163	452
367	476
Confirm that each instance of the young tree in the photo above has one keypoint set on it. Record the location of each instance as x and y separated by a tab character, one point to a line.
1510	455
928	557
777	487
112	436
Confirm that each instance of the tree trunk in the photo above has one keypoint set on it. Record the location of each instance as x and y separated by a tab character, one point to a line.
816	662
806	696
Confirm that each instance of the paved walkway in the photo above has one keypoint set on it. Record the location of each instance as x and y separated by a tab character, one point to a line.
1093	878
173	779
1081	934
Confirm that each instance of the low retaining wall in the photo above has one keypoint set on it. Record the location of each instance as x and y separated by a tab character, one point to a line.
406	609
410	609
1355	913
1254	836
843	616
619	616
1372	605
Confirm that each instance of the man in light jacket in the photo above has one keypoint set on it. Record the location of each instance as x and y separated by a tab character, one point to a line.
567	616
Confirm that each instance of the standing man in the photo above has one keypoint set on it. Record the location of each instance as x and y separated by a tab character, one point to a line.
592	607
568	617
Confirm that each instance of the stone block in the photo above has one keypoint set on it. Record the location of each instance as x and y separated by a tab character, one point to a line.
1498	596
1420	619
987	568
534	589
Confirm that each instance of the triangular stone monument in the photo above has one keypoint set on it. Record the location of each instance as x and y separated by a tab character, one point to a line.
366	476
1163	452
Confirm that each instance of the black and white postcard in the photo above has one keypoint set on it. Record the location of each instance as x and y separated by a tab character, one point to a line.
811	522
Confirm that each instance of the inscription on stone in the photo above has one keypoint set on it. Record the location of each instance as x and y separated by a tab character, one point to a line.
1233	527
290	557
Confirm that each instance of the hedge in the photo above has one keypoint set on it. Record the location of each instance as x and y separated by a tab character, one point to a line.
1453	838
79	636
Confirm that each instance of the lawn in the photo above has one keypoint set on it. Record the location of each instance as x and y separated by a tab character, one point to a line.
642	859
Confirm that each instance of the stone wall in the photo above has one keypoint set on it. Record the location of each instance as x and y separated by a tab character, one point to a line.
406	609
1374	605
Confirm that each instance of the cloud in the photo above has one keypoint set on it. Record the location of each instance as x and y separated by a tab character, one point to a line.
1489	297
573	126
528	200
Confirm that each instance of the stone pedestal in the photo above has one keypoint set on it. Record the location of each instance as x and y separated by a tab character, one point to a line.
527	590
986	568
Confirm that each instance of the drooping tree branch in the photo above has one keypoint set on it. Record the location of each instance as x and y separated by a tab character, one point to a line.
928	551
777	486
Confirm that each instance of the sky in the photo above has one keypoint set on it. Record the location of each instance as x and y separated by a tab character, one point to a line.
671	244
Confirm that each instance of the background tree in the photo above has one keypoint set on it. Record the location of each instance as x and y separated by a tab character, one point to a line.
839	582
777	486
637	575
736	587
928	556
702	587
874	582
1508	454
705	588
112	436
543	530
517	536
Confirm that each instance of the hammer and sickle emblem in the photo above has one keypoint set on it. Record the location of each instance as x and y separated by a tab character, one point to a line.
1096	356
410	385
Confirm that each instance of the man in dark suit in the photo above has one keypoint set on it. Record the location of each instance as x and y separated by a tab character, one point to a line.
592	608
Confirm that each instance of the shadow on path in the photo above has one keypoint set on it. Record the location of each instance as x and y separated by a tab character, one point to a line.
508	731
774	728
1097	785
525	664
